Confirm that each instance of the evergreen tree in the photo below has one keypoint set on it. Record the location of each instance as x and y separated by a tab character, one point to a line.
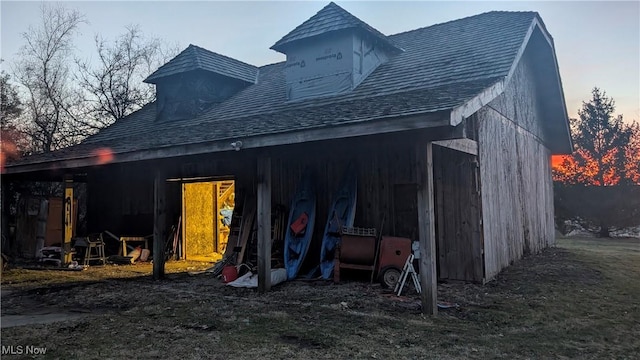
603	144
607	154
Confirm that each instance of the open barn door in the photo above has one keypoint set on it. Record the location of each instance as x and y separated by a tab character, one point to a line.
206	214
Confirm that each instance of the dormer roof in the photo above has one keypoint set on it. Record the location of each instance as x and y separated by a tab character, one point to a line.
197	58
331	18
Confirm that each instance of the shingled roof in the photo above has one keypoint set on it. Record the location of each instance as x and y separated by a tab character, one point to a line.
331	18
443	68
197	58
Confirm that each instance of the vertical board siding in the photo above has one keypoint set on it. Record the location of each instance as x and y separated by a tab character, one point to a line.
120	199
515	172
380	167
387	188
457	216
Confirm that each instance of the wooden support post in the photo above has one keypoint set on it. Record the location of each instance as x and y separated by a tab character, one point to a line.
216	217
264	224
69	218
426	228
159	224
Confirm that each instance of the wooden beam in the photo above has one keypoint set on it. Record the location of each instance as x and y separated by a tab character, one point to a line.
426	228
467	109
159	224
264	224
464	145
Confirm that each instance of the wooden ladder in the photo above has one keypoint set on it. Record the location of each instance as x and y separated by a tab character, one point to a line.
225	189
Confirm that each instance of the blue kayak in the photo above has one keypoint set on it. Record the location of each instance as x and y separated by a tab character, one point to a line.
342	213
300	226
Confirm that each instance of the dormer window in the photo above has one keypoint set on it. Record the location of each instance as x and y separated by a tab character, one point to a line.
197	79
331	54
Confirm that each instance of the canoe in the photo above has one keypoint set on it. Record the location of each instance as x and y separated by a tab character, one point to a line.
300	226
342	213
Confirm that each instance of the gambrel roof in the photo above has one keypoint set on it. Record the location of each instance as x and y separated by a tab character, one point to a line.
445	73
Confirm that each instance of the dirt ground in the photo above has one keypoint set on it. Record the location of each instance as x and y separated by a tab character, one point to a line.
577	300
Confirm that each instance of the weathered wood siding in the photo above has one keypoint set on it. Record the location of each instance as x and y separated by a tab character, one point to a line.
457	208
121	196
386	173
385	167
515	174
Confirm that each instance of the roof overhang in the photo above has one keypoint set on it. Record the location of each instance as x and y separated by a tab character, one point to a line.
363	128
555	117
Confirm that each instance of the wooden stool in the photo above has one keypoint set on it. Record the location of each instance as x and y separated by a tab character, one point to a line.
95	249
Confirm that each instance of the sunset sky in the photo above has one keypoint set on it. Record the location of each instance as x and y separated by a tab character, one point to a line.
597	43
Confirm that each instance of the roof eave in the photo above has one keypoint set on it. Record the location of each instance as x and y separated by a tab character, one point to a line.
282	47
565	116
471	106
381	125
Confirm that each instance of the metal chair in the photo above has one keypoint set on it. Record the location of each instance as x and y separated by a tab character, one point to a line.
95	249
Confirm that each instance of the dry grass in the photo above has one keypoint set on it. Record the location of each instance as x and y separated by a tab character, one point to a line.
578	300
21	278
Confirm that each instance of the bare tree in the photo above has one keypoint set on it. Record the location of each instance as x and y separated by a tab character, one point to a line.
10	104
43	70
113	88
12	140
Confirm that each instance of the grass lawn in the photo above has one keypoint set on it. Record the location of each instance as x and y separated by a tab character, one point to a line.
580	299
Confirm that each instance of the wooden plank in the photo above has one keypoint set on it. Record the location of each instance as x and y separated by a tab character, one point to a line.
42	227
183	215
517	195
216	216
248	214
440	162
464	145
55	226
264	224
458	226
159	224
476	103
426	228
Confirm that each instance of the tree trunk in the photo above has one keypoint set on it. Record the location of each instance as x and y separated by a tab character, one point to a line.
604	232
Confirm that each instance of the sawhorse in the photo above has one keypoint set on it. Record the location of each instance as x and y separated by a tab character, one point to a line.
407	270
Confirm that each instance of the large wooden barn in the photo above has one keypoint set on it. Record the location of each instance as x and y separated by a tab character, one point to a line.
451	128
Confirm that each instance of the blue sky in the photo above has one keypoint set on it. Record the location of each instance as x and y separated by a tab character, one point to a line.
597	43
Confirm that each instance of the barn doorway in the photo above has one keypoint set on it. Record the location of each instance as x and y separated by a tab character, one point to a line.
207	207
457	214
